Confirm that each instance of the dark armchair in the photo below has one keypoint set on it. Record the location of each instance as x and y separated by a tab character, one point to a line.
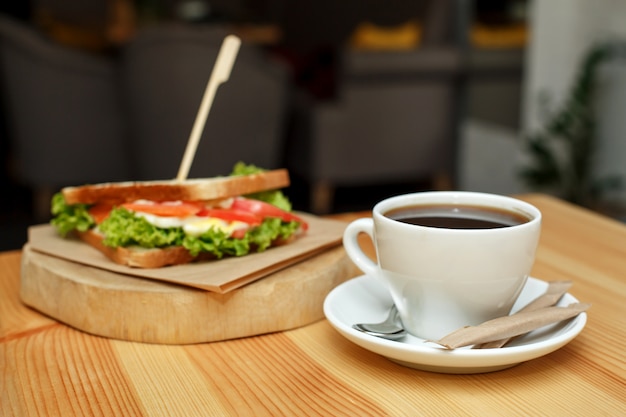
392	118
63	113
166	69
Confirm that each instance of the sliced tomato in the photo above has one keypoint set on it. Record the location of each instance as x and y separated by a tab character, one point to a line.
100	212
239	233
166	209
264	209
231	215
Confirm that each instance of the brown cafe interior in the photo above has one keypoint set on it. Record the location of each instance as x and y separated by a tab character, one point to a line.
358	99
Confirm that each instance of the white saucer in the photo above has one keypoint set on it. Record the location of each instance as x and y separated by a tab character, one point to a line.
365	299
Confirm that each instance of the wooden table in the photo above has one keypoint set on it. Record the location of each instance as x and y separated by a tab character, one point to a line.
49	369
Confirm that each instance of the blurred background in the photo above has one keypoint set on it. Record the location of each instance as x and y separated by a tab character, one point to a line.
360	100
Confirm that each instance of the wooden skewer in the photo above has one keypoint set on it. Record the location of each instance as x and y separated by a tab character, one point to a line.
221	72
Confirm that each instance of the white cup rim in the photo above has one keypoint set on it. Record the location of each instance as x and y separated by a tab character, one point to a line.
459	197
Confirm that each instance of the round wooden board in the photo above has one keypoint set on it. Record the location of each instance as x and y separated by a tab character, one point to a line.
135	309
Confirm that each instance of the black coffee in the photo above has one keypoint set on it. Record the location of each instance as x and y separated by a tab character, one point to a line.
457	216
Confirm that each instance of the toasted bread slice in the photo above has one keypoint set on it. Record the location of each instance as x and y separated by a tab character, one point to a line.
204	189
138	257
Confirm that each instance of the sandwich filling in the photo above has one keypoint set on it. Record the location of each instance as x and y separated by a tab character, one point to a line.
230	227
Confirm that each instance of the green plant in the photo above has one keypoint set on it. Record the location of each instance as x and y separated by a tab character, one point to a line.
561	153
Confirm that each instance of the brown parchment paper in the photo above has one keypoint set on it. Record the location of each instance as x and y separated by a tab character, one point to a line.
220	276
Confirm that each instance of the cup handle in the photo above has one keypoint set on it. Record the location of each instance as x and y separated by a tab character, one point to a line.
352	247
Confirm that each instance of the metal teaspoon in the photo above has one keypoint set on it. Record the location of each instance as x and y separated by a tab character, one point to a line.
391	328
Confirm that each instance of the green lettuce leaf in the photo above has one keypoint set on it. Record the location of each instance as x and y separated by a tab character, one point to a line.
70	217
275	197
122	228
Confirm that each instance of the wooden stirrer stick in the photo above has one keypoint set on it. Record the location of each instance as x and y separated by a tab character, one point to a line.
221	73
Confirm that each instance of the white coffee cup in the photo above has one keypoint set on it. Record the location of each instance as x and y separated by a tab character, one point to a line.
444	278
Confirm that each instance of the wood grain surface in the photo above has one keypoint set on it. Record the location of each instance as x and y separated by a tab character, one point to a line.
125	307
50	369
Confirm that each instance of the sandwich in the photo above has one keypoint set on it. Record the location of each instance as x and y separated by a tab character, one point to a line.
152	224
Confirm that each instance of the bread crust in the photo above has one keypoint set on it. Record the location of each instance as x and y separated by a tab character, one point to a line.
204	189
138	257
